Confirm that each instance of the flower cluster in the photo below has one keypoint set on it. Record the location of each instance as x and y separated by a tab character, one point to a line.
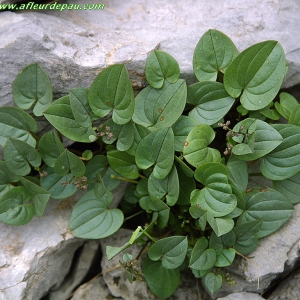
105	133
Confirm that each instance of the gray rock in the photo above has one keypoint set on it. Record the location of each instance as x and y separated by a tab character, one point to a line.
242	296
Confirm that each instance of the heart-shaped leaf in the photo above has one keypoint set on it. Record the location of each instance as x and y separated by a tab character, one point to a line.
167	187
30	86
60	115
186	186
196	150
261	139
172	250
286	105
161	281
220	225
284	161
160	66
295	116
93	219
19	156
6	178
123	163
256	74
213	53
238	172
213	282
270	206
139	133
162	211
289	187
160	108
157	149
210	100
112	91
50	148
14	209
16	123
68	162
226	258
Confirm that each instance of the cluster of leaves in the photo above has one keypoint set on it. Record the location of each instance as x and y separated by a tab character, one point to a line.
200	210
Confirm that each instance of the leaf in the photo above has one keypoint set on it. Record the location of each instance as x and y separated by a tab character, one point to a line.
160	66
156	149
123	163
226	258
216	243
161	108
20	156
213	282
6	178
246	239
284	161
68	162
60	115
295	116
286	105
161	281
220	225
271	114
290	188
50	148
16	123
14	209
186	186
216	197
256	74
30	86
112	91
181	129
210	100
39	196
167	187
238	172
213	53
139	133
201	257
270	206
80	107
262	139
162	209
171	250
195	149
53	184
93	219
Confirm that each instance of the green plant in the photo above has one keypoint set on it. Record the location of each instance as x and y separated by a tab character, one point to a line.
186	152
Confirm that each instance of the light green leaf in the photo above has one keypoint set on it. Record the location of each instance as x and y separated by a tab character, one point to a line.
93	219
161	281
226	258
157	149
284	161
39	196
256	74
160	66
286	105
60	115
123	163
112	91
16	123
238	172
295	116
221	225
195	149
210	100
289	187
160	108
262	139
50	148
14	207
68	162
270	206
171	250
213	282
213	53
80	107
30	86
20	156
167	187
271	114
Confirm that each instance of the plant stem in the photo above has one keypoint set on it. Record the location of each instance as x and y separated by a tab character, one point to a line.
255	174
147	235
134	215
123	179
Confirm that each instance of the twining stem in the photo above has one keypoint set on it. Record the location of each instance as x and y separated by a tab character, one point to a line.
123	179
147	234
134	215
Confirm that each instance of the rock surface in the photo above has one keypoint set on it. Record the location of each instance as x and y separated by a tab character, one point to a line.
242	296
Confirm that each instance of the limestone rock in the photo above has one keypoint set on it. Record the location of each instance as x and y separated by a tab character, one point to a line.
242	296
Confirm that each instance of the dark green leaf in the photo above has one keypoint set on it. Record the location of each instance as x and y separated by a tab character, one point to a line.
15	123
213	53
216	243
93	219
220	225
256	74
20	156
295	116
160	108
139	133
112	91
6	178
30	86
226	258
160	66
162	209
238	172
213	282
186	186
286	105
